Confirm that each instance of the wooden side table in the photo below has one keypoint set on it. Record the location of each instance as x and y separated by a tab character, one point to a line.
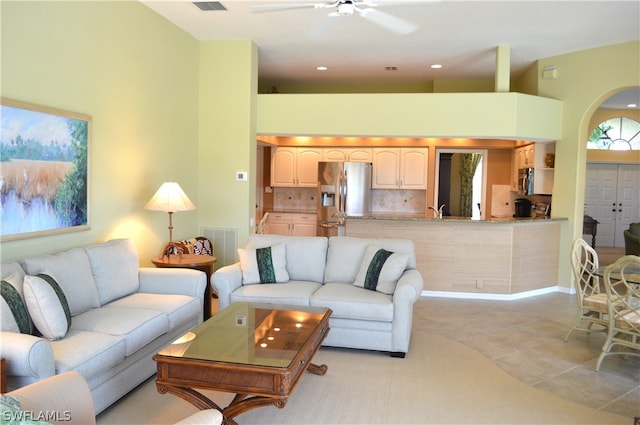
203	263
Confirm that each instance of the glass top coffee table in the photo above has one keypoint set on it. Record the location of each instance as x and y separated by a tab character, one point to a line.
257	351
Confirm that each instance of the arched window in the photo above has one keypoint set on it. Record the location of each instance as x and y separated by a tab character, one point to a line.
618	133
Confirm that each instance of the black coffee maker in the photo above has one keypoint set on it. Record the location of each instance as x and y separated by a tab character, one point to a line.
523	207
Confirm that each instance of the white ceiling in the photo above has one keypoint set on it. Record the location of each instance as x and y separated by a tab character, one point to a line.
460	35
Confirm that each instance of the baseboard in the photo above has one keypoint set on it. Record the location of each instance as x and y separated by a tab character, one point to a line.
497	297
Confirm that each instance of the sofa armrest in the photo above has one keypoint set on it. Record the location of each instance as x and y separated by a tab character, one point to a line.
226	280
407	292
409	287
60	399
28	358
172	281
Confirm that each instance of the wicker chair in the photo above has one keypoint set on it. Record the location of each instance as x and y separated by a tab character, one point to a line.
592	304
623	299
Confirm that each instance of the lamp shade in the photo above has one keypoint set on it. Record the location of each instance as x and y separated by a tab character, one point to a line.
170	198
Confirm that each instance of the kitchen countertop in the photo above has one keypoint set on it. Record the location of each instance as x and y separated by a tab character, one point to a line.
452	219
286	211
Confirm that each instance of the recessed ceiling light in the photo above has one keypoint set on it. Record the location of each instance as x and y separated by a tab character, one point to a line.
436	66
632	105
321	68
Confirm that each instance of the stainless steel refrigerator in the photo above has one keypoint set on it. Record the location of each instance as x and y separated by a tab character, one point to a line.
344	189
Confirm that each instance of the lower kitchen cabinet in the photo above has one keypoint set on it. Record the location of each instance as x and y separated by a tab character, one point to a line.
292	224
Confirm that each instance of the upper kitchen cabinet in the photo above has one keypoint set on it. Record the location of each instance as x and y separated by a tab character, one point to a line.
295	167
400	168
347	154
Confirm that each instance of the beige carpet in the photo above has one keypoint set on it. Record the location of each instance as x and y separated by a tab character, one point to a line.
439	382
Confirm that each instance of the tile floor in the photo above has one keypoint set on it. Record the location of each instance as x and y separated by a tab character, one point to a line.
526	339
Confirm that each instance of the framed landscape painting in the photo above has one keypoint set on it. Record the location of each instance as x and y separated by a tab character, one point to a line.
44	170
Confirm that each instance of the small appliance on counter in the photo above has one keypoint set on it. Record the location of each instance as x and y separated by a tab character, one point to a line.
523	207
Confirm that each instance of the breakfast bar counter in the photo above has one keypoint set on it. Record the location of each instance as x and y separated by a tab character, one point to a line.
494	258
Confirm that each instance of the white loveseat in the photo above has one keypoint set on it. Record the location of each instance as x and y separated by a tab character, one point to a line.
116	317
321	271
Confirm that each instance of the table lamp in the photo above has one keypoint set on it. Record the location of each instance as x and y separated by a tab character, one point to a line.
170	198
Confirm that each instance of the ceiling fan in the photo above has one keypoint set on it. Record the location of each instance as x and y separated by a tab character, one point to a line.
364	8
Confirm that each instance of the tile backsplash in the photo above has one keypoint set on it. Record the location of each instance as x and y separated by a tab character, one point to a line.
382	200
294	198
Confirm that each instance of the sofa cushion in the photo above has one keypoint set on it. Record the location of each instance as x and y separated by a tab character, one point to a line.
345	255
381	269
634	228
291	293
178	308
73	273
114	265
264	265
137	326
47	305
14	316
88	353
306	255
351	302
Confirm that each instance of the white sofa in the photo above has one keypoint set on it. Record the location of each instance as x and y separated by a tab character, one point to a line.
321	271
106	322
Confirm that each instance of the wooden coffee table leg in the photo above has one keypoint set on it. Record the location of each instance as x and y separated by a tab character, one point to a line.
317	370
192	396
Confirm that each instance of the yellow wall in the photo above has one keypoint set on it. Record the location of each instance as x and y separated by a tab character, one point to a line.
582	84
136	75
228	91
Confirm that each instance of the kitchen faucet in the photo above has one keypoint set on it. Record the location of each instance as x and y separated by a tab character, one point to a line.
437	213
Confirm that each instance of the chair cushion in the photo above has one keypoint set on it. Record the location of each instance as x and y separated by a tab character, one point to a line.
380	269
47	305
291	293
351	302
178	308
596	302
14	316
73	273
264	265
634	228
114	265
137	326
88	353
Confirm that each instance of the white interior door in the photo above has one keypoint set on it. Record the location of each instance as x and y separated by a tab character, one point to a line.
612	196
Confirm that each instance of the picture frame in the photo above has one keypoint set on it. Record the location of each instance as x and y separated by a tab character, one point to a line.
44	170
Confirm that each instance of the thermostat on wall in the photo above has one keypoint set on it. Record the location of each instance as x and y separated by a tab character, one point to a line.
241	176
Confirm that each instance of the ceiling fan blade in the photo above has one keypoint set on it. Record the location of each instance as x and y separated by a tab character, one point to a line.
390	22
287	6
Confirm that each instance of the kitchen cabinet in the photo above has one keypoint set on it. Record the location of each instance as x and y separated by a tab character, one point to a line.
533	156
400	168
295	167
292	224
347	154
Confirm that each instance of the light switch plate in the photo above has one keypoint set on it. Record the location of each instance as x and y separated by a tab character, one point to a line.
241	176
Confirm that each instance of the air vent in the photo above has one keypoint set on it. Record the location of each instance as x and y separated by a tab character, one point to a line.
209	5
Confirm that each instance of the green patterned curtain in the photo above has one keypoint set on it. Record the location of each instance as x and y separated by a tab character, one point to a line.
468	164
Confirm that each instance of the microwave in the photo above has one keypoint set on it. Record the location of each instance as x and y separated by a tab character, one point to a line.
525	181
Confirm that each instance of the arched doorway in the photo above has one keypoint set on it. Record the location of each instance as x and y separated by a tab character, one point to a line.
612	173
